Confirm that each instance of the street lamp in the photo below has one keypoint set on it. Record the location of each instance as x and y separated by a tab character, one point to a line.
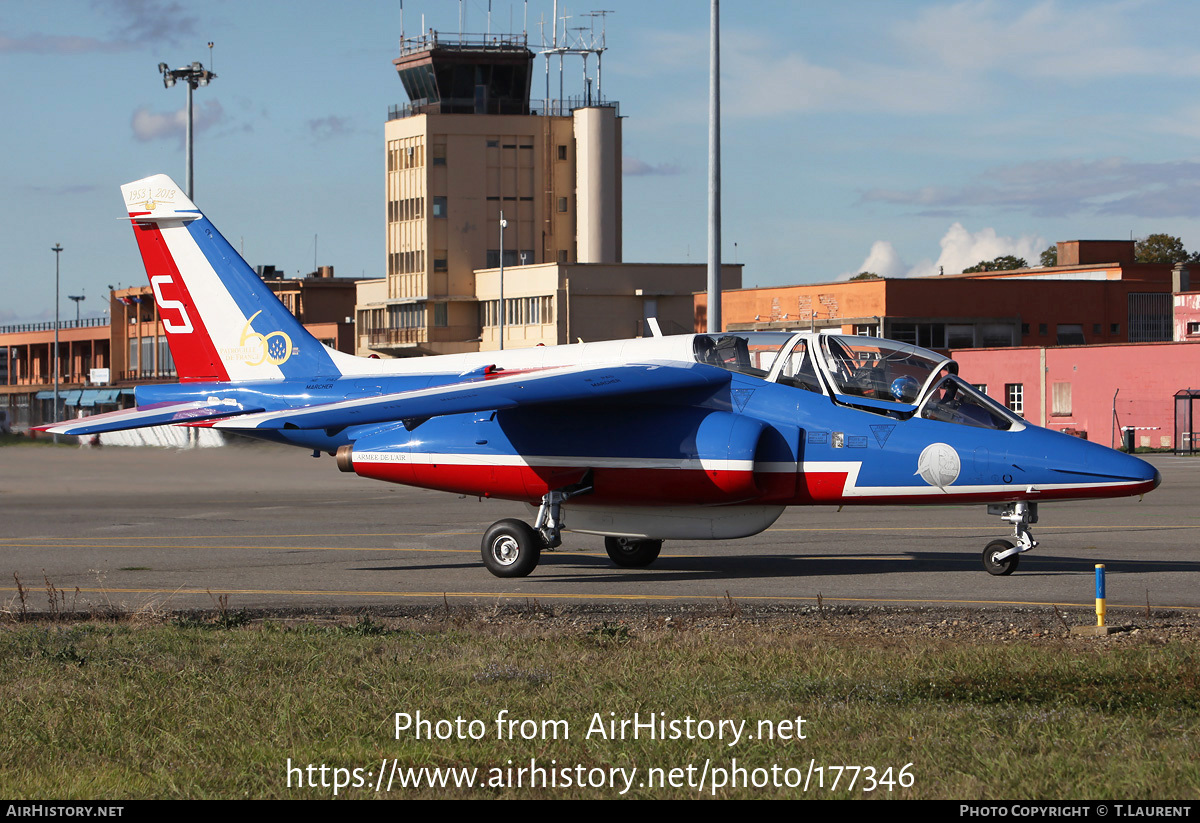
194	75
78	298
503	226
57	254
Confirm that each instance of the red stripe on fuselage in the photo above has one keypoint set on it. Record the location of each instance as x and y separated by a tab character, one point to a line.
690	486
195	356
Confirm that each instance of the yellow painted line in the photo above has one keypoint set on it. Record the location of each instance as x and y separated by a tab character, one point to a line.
551	553
622	597
979	528
238	548
250	536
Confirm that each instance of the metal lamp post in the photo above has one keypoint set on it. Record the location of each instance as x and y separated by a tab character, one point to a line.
77	299
503	226
194	75
57	254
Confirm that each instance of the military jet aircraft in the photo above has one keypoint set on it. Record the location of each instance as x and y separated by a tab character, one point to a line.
698	436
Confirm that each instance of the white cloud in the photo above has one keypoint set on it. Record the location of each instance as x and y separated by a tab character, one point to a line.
882	260
960	249
633	167
151	125
1057	188
1044	40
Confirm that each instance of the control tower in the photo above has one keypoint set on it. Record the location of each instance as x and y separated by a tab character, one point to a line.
481	75
469	146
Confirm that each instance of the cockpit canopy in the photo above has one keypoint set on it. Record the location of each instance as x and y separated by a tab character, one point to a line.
872	374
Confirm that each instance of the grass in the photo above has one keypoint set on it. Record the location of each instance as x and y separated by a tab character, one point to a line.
215	706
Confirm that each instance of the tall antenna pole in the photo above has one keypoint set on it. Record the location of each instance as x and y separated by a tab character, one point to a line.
714	173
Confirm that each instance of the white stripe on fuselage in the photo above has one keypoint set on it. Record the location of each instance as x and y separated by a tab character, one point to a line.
850	487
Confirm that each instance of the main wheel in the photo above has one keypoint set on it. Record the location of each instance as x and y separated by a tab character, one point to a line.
1000	567
631	553
511	548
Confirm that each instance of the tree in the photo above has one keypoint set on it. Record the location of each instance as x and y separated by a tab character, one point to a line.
1159	248
1050	256
1005	262
866	275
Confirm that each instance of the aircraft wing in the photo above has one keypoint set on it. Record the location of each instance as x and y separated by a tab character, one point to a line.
156	414
554	385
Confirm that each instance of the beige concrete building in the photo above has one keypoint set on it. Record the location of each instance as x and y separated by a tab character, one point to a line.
556	303
466	150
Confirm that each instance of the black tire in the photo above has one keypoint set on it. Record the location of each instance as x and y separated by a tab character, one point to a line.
511	548
1000	567
632	553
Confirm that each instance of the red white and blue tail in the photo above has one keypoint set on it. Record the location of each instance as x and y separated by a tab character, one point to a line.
222	322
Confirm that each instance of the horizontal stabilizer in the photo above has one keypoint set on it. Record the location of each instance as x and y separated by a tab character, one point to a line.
156	414
564	385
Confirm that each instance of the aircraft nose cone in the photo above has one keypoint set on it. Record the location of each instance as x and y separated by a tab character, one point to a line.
1157	478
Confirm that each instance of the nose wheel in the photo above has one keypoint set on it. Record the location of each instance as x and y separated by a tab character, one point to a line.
1001	557
991	558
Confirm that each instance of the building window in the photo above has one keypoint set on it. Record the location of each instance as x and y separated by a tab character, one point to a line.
960	336
1115	328
562	257
562	204
439	206
440	315
1014	397
440	263
865	330
997	335
1150	317
1096	329
1193	327
1069	334
493	144
1061	400
982	387
1043	330
439	154
562	152
1024	329
406	316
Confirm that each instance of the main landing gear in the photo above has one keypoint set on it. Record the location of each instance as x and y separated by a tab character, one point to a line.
631	552
1001	557
512	548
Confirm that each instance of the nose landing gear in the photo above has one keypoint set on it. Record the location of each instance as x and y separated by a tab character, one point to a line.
1001	557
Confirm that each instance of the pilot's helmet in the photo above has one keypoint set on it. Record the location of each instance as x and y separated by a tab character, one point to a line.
905	389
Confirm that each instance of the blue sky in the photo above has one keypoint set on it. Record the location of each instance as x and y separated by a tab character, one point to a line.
889	136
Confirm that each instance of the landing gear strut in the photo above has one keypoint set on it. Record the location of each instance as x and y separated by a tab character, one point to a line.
1001	557
512	548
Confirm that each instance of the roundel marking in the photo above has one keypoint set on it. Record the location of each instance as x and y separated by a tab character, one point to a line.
939	465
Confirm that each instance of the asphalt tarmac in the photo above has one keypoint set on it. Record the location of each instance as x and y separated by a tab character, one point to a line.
258	526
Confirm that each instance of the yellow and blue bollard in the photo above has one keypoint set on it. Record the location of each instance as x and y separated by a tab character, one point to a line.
1100	608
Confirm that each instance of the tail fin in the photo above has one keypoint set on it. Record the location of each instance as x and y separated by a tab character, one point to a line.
222	321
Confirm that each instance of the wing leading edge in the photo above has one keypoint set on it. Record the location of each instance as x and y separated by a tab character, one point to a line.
566	385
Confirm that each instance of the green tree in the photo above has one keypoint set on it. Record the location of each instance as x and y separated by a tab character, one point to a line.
1006	262
866	275
1050	256
1159	248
